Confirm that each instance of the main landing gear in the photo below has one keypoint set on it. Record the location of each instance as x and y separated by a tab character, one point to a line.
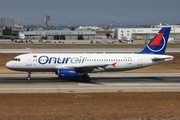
86	77
29	76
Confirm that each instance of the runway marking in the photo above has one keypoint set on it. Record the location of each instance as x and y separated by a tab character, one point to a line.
126	84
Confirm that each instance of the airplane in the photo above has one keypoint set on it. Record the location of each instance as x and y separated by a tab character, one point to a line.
73	65
21	36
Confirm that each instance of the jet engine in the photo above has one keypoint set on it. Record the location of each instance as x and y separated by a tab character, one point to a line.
67	73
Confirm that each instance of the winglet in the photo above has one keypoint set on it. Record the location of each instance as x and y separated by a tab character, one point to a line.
158	44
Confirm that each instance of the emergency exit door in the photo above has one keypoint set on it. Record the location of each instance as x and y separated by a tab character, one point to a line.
28	60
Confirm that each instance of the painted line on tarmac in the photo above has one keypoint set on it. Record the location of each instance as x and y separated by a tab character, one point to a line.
127	84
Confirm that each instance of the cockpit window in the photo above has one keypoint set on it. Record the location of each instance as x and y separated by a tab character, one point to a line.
16	59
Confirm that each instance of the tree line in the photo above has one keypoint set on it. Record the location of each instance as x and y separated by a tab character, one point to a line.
7	31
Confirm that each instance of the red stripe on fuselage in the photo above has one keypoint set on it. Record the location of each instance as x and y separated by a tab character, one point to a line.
157	40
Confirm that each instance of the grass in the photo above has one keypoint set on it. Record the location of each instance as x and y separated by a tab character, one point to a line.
90	106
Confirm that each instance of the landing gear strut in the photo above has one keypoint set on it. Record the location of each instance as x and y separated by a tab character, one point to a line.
86	77
29	76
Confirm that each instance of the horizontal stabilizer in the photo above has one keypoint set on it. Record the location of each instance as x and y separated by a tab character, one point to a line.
164	57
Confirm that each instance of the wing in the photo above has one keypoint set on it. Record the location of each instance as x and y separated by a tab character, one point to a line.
88	67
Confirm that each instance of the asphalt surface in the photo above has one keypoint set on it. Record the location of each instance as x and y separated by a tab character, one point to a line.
100	82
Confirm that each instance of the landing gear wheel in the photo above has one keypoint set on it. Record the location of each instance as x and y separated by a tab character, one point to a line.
29	76
86	78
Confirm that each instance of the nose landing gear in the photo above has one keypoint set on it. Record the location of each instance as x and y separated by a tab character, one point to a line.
29	76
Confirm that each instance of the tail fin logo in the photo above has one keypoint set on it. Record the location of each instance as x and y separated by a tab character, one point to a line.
158	43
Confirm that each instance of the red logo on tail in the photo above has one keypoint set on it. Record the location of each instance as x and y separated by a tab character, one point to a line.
157	40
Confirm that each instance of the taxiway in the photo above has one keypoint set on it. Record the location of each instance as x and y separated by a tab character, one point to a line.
100	82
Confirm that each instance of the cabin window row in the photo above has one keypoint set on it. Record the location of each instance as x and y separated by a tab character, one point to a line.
108	60
97	60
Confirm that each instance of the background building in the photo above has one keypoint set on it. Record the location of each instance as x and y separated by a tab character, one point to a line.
9	22
61	34
47	21
145	33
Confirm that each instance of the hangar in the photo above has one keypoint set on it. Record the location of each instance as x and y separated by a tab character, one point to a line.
146	33
61	34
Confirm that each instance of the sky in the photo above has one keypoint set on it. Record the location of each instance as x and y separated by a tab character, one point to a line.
92	12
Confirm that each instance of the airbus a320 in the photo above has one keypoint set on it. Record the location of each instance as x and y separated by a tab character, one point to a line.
75	65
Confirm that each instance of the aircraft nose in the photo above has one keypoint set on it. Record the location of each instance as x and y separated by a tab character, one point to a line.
8	65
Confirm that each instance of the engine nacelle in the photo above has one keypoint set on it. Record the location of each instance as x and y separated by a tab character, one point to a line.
67	73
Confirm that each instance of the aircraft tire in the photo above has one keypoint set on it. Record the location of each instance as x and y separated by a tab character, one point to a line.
86	78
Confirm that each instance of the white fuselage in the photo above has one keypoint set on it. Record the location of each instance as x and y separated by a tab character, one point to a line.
21	36
99	62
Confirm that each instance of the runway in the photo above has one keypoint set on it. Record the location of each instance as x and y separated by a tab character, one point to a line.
100	82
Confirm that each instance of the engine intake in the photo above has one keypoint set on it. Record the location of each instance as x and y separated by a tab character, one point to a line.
67	73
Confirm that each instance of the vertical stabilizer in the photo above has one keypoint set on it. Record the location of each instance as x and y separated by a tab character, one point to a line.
158	44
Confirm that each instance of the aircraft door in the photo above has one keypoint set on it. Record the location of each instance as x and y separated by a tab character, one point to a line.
139	61
28	60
